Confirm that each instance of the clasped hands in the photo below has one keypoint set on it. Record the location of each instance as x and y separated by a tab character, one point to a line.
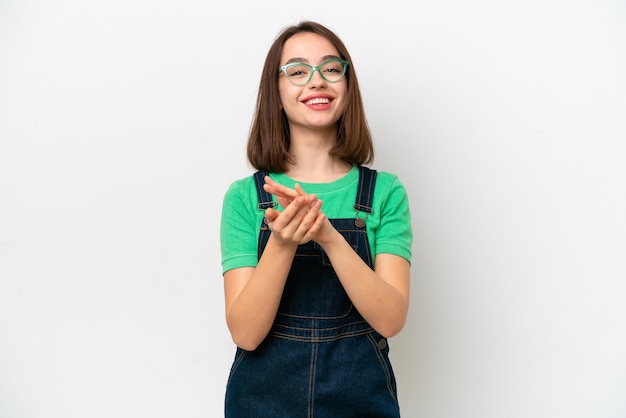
302	219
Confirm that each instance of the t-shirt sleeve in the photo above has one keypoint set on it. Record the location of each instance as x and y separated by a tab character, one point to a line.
238	228
394	235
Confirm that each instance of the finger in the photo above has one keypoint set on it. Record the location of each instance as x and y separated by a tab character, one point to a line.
284	201
308	220
271	215
299	189
281	192
278	189
273	184
315	227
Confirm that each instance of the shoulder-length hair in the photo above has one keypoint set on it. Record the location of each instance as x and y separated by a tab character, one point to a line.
268	142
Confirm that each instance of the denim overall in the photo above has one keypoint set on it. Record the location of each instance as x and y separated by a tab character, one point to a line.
320	359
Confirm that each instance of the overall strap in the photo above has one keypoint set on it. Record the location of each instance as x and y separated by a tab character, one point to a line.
364	194
265	199
365	190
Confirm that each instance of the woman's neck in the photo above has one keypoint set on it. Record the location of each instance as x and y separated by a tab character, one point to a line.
312	162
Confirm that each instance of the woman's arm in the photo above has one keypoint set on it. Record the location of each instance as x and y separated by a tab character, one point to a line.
381	295
252	294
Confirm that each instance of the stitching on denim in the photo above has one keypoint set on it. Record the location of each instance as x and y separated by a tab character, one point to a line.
383	363
317	317
312	372
262	238
360	191
320	339
370	191
367	180
236	364
359	322
264	198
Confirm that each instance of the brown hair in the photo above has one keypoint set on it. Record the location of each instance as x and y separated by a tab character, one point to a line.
268	142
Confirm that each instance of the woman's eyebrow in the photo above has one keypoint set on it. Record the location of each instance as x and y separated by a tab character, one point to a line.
301	59
329	57
296	59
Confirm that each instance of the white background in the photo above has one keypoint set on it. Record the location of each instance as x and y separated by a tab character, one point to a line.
122	123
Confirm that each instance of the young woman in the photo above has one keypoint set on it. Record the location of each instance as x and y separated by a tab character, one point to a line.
315	246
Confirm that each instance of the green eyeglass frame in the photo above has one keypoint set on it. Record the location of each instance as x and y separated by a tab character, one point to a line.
313	69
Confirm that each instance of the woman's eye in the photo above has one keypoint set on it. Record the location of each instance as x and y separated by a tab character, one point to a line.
298	71
332	68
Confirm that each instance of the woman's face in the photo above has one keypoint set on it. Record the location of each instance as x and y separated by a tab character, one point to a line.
319	104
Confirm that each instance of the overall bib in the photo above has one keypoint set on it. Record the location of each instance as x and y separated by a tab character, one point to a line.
321	358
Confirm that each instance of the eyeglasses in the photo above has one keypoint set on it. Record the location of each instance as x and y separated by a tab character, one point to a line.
299	73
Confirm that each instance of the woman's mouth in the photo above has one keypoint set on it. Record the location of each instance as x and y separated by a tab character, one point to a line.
317	100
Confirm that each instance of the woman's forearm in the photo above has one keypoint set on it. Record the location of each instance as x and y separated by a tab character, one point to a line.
382	295
256	294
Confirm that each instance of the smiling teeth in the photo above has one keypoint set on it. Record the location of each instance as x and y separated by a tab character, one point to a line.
318	100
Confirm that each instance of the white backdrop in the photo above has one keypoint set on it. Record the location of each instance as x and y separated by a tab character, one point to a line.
122	123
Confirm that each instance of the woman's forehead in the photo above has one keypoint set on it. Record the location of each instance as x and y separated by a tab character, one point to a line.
307	47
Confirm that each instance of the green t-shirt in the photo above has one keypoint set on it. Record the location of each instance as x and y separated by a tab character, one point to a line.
388	226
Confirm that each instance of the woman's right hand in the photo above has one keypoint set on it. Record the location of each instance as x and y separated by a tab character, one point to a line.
299	222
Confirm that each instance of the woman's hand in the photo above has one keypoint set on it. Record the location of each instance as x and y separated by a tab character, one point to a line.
287	197
299	222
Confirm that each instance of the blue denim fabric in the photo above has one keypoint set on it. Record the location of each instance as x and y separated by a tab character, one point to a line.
321	358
